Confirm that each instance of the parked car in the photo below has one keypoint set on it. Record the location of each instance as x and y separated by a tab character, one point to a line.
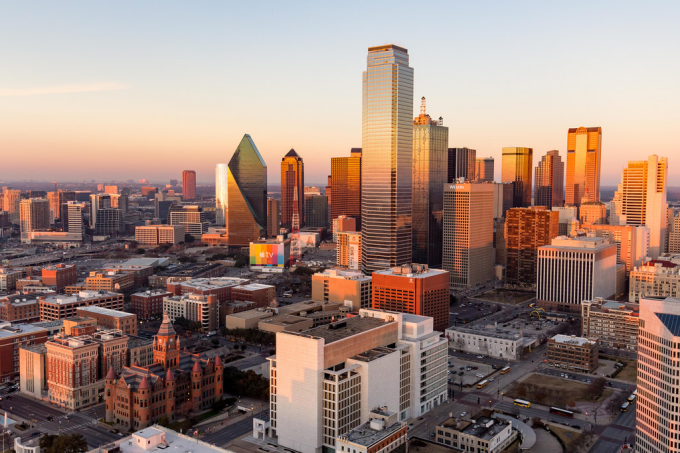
480	356
463	414
479	375
461	373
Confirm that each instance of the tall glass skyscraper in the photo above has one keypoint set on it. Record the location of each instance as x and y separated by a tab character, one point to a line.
387	157
549	181
221	202
584	152
292	176
247	194
430	156
517	166
346	179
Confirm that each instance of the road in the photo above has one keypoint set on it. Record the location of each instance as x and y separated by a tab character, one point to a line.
612	436
233	431
83	422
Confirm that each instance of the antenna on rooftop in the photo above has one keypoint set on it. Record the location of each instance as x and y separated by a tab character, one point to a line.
422	106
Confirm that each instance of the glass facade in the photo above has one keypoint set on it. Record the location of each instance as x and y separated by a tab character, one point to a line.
246	194
387	154
462	164
430	158
292	175
549	181
221	201
517	166
584	150
346	178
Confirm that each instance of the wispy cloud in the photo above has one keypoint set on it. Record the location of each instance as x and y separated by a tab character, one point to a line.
65	89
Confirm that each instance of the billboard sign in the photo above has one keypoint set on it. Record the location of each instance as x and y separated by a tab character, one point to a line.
270	255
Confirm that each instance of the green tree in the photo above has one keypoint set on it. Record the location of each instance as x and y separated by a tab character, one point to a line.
63	443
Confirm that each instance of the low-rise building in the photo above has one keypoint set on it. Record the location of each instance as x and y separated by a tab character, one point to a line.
156	438
186	272
140	271
505	346
54	307
573	353
285	323
655	278
148	304
60	276
140	351
202	309
12	338
21	308
614	324
261	295
482	434
111	319
8	279
154	235
219	286
349	288
383	433
348	249
110	280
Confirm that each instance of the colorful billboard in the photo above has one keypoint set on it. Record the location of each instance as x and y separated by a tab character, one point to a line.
269	255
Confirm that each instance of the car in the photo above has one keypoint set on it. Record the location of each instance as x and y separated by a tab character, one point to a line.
552	420
468	368
448	380
50	418
475	368
432	435
461	373
462	368
492	379
479	375
480	356
588	381
583	379
576	426
448	372
420	418
463	414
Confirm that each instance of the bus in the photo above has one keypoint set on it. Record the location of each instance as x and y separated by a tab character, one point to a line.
482	384
522	403
562	412
635	392
631	398
625	406
505	370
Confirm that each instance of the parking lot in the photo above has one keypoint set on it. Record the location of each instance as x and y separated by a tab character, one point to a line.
466	312
472	372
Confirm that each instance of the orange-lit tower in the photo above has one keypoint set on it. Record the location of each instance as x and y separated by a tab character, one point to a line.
584	152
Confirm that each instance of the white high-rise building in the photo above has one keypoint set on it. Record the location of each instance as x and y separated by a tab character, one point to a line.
387	158
221	199
642	197
571	270
325	381
657	412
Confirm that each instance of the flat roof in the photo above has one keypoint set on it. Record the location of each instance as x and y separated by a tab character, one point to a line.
9	330
345	328
253	286
483	427
136	342
284	320
371	355
344	274
213	282
252	314
39	348
106	311
567	339
402	272
367	436
82	295
152	292
173	441
309	305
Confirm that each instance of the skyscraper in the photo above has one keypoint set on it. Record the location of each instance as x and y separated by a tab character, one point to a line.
316	210
549	181
468	252
346	178
462	163
247	194
34	214
430	155
658	349
98	201
642	196
527	229
273	223
387	157
221	202
189	184
57	199
584	152
292	176
73	223
484	170
517	165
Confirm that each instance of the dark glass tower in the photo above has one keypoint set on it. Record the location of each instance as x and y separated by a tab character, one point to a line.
247	194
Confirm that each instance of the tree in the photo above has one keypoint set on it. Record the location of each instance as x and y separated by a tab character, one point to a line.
614	403
163	421
63	443
188	239
596	387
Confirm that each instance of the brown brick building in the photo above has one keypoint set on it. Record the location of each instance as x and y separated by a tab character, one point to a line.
176	384
573	353
55	307
148	304
60	276
414	289
111	319
11	339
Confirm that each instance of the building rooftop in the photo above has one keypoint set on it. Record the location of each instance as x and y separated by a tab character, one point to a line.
82	295
345	328
146	262
253	286
482	427
157	438
54	267
188	269
411	271
567	339
136	342
309	305
371	432
39	348
420	445
152	292
344	274
9	330
582	243
253	314
106	311
284	320
371	355
203	284
48	324
24	299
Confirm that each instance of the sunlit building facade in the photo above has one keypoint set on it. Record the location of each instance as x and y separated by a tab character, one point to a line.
189	184
346	178
247	194
517	166
387	157
430	155
34	214
221	198
484	169
292	176
549	181
584	153
468	252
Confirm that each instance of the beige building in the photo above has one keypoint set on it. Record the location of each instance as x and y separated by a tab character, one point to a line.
631	242
324	382
613	323
8	279
382	433
655	278
110	280
140	351
674	235
593	212
202	309
468	233
153	235
34	214
348	249
247	319
349	288
33	374
482	434
285	323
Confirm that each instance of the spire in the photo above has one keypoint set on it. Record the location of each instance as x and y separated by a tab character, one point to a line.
218	361
422	106
166	329
197	367
292	153
169	376
111	374
144	384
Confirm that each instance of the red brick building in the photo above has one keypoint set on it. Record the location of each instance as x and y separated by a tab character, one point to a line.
148	304
176	384
413	289
261	295
60	307
12	338
60	276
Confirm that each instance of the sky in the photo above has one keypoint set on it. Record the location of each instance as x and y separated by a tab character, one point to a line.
129	90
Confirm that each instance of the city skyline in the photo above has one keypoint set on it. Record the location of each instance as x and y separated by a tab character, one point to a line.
187	102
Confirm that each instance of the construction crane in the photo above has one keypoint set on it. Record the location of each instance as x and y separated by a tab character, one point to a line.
55	185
